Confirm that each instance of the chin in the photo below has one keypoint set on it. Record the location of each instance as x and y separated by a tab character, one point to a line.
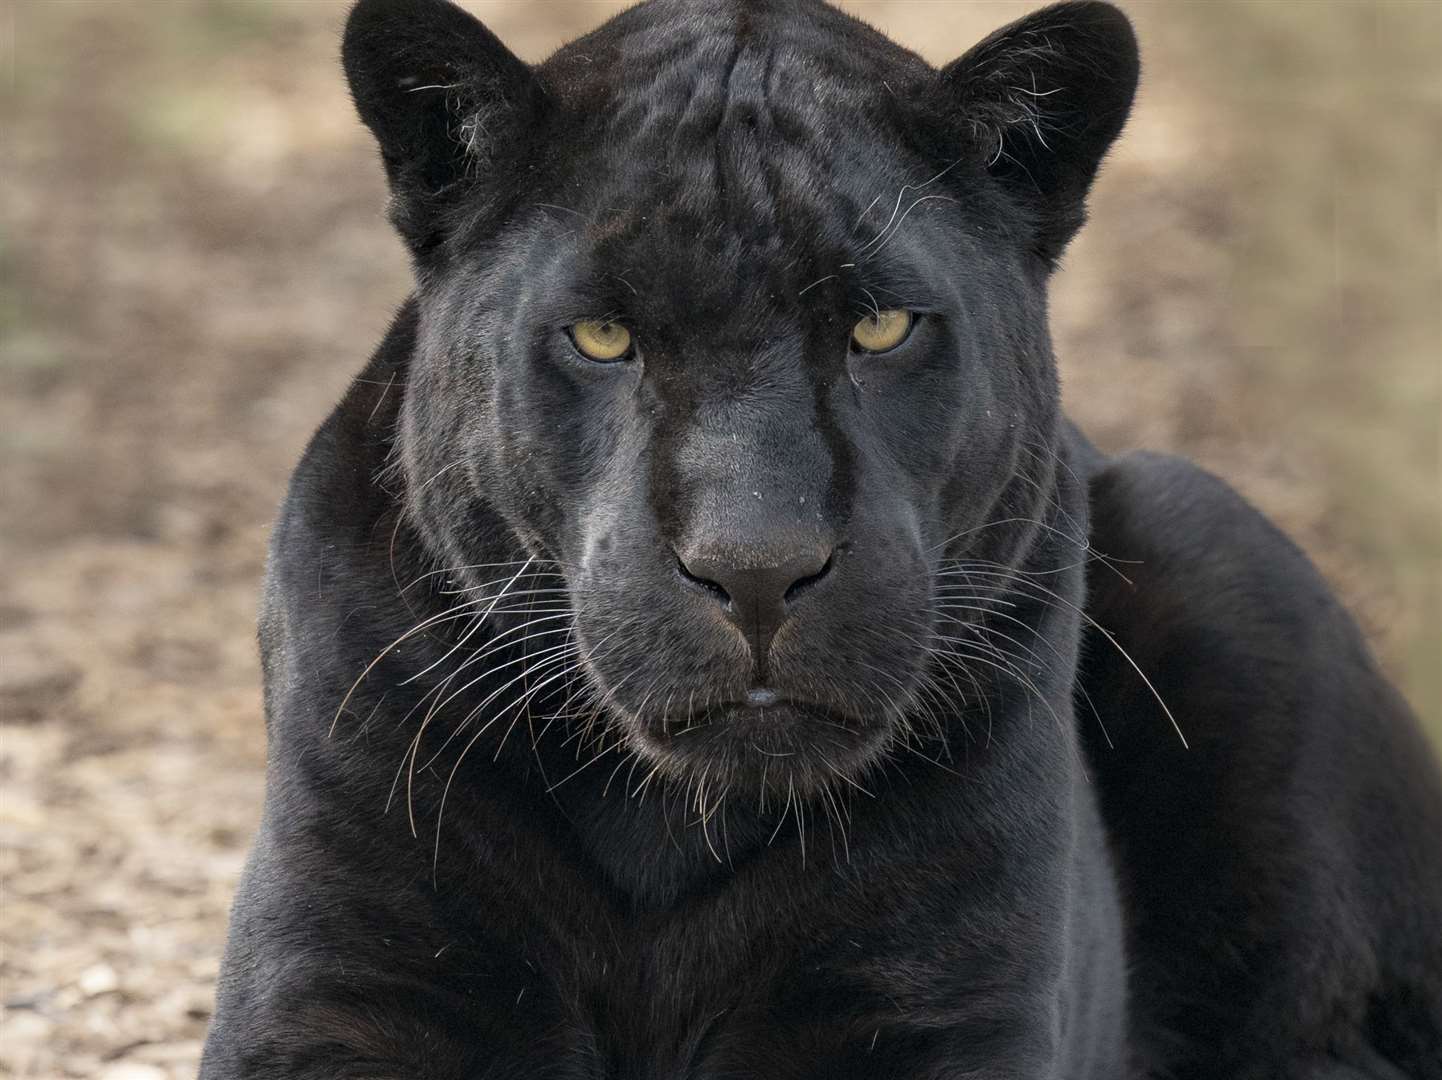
789	748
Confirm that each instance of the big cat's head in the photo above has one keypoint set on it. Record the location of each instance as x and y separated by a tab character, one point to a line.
734	312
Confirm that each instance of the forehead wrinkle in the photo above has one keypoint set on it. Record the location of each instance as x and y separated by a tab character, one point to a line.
751	144
742	86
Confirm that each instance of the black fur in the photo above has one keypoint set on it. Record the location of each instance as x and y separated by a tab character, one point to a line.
551	795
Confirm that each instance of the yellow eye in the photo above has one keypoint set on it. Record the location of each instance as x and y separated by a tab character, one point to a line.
883	331
601	341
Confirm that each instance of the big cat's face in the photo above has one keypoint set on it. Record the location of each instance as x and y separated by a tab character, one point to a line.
736	374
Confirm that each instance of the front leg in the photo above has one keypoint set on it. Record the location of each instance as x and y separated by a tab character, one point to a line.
342	974
385	1029
1004	1035
373	1026
984	1050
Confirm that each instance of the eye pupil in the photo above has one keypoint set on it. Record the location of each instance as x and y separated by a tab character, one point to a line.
601	341
882	331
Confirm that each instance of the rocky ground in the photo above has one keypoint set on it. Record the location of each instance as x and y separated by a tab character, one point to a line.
195	261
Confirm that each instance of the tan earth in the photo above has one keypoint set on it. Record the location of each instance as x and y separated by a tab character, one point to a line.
195	261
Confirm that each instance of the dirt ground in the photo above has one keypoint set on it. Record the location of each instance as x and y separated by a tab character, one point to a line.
195	261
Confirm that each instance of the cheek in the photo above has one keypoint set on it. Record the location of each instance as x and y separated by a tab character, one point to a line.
921	427
437	435
613	536
950	441
567	450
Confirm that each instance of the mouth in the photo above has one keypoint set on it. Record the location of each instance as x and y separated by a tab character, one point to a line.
764	739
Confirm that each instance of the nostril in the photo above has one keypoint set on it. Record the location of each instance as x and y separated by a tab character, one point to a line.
701	582
755	585
800	585
757	594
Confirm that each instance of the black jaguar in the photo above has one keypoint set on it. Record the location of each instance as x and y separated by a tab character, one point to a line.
699	647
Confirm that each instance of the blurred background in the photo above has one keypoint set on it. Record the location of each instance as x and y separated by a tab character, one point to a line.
195	261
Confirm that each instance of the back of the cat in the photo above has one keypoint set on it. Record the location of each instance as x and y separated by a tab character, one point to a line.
1282	872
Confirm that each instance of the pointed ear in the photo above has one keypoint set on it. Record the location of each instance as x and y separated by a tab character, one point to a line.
444	99
1043	99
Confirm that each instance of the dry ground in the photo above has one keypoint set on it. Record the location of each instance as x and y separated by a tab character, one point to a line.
195	261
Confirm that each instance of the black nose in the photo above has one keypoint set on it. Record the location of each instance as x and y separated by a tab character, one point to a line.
756	597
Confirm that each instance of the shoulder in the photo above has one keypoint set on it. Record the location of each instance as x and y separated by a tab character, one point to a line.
1188	534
